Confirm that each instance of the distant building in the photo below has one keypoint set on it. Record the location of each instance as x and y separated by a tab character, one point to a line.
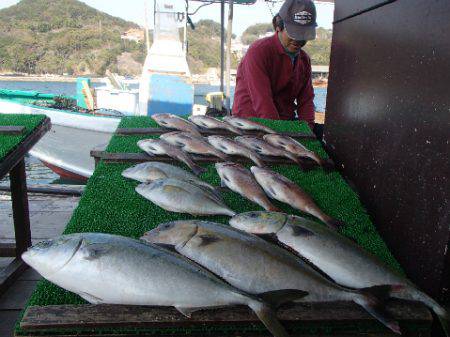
238	48
134	34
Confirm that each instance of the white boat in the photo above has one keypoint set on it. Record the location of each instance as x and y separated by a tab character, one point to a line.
65	149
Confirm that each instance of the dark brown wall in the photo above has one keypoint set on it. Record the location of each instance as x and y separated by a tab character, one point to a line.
388	126
353	7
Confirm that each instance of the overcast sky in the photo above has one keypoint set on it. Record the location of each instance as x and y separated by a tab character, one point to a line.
244	16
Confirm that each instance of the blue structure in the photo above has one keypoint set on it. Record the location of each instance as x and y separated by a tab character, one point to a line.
80	97
169	94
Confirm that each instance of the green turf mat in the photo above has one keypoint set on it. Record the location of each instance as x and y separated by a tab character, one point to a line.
110	205
10	142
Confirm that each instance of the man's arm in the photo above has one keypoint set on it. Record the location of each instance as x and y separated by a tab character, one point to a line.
259	86
305	100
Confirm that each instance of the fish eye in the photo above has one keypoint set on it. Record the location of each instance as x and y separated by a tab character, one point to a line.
166	226
253	215
44	244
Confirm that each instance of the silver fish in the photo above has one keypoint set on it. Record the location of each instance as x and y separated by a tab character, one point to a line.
292	146
247	124
105	268
183	197
208	122
175	122
255	266
240	180
231	147
282	189
158	146
337	256
192	144
263	148
154	170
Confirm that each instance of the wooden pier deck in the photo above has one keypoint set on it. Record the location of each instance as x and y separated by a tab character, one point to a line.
49	216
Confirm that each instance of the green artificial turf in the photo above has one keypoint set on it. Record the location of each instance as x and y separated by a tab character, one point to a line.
9	142
110	205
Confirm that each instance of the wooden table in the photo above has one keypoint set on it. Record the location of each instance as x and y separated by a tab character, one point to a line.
14	164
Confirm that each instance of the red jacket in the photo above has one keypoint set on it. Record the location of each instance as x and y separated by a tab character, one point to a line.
267	83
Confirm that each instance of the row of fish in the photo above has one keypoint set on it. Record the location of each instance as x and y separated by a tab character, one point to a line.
256	273
233	124
176	190
179	145
189	139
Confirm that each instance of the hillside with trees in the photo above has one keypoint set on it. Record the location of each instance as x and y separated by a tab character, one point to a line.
62	36
319	49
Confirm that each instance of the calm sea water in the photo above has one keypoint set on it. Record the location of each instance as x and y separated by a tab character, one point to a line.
39	174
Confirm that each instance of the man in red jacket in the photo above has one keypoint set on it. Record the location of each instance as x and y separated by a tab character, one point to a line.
274	78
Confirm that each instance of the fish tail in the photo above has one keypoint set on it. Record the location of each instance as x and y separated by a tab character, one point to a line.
272	208
257	160
412	293
268	318
371	299
335	224
235	130
327	165
197	169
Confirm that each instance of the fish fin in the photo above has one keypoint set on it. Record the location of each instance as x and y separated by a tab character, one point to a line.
268	318
91	298
279	297
207	239
327	164
335	224
383	292
186	311
300	231
271	191
367	298
92	251
162	245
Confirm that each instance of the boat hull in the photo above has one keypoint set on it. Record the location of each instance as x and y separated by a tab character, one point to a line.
66	147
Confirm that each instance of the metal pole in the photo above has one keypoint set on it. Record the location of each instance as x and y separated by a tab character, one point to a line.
222	41
229	33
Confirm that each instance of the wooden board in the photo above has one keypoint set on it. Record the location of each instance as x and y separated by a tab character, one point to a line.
306	163
221	132
11	130
90	316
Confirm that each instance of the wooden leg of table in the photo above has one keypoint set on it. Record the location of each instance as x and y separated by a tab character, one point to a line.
22	230
21	213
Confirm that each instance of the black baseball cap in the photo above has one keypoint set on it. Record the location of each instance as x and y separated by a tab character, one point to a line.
299	18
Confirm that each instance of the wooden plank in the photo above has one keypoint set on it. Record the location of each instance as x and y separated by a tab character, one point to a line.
7	249
71	190
21	212
11	130
306	163
17	155
89	316
11	273
206	132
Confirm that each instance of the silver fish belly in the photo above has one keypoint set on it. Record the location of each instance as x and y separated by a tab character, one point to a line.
183	197
208	122
175	122
230	147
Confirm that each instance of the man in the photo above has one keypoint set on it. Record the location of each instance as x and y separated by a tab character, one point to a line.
274	78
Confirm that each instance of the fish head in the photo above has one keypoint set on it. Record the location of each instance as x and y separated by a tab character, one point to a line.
161	118
152	146
175	233
169	135
259	222
49	256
